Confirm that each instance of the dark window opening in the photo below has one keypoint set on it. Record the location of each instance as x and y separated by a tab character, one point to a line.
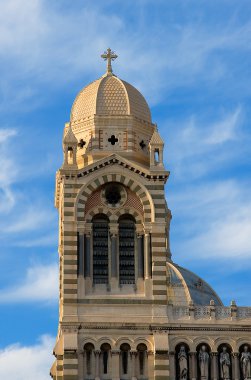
112	194
125	348
88	352
126	250
105	348
142	354
100	249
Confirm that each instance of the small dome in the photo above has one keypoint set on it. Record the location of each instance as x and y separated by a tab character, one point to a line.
110	96
185	287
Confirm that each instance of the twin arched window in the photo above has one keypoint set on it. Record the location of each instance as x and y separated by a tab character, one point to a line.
125	249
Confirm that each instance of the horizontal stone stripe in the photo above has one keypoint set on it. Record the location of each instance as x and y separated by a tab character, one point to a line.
72	251
162	367
117	302
68	213
59	367
157	205
159	292
71	281
160	215
68	204
158	196
164	377
160	253
71	243
70	233
70	377
159	282
70	271
70	264
158	272
72	185
158	243
60	357
160	264
70	291
70	366
155	187
147	220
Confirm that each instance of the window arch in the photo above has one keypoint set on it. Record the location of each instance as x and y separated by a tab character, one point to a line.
142	357
124	353
88	351
100	224
126	249
105	351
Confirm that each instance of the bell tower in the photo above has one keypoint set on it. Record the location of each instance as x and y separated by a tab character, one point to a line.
113	236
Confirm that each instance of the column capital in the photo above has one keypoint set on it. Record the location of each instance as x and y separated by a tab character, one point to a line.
235	354
97	352
214	354
114	229
115	352
133	353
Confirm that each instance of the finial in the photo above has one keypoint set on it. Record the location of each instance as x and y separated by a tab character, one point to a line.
109	56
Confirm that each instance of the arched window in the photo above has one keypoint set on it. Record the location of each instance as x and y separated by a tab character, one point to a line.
126	250
100	249
124	348
142	356
88	351
105	350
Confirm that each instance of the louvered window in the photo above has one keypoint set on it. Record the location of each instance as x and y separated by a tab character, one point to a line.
100	249
127	250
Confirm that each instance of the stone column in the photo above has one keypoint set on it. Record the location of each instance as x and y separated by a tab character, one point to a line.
97	369
81	253
193	365
172	365
140	256
81	364
115	365
214	367
133	371
114	254
150	365
236	368
87	261
146	255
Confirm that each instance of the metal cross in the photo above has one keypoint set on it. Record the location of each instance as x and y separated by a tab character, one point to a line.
109	56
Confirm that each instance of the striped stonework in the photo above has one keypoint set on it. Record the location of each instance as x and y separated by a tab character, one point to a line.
161	365
134	186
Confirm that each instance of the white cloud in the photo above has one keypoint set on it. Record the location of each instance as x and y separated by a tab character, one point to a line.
18	362
215	221
33	218
40	284
198	146
43	43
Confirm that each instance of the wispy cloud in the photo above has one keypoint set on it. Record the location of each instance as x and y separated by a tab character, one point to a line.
19	362
215	221
43	49
198	145
39	284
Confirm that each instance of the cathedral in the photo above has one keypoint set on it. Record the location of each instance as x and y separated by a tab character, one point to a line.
127	311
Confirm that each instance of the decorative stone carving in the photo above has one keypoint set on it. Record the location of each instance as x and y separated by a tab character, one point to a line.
225	364
183	366
204	363
245	361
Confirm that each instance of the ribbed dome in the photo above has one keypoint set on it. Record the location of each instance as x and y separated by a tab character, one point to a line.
185	286
110	96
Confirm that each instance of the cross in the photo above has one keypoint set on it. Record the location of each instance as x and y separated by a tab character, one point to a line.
113	140
109	56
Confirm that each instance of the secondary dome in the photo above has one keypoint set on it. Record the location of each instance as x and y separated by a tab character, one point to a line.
185	286
110	96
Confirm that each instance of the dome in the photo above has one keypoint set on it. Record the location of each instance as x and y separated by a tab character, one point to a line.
110	96
185	287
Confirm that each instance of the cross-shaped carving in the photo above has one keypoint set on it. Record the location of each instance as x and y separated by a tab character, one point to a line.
109	56
142	144
81	143
113	139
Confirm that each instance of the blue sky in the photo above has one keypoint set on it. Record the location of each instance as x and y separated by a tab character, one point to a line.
191	60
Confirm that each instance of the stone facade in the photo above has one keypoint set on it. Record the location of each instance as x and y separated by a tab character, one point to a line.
126	310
